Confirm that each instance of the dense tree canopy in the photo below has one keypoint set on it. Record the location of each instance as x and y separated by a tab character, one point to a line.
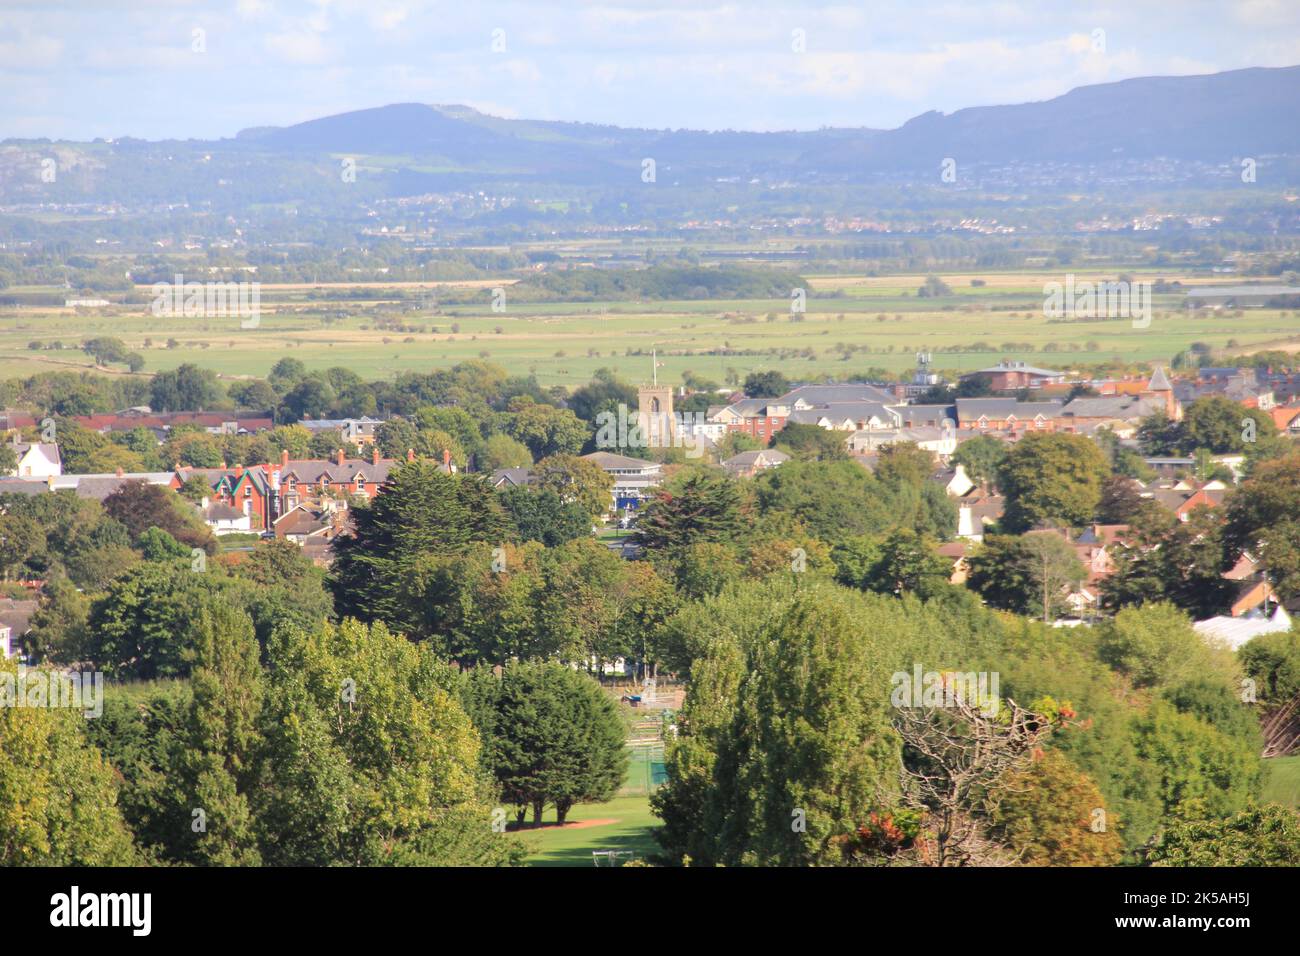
1051	478
553	736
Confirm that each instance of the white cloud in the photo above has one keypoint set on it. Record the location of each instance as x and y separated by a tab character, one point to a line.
298	46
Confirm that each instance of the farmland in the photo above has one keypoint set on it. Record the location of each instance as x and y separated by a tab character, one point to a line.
851	323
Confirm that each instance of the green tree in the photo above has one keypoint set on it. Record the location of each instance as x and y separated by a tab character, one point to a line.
420	513
1029	574
371	759
699	507
224	737
901	561
1219	424
1171	560
58	796
1192	761
542	515
186	388
1156	647
545	429
576	480
60	627
157	545
604	393
769	384
784	738
1048	814
811	442
551	736
1262	515
1267	835
833	500
1051	477
105	348
981	457
502	451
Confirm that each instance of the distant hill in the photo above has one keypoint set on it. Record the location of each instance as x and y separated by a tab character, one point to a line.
1214	117
466	137
409	149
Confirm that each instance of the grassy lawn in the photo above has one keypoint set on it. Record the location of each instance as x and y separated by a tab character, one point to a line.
1282	781
573	847
633	824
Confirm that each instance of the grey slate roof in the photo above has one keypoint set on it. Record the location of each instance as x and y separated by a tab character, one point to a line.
841	411
220	511
1113	406
312	470
829	394
1159	382
23	486
763	457
919	415
970	409
512	476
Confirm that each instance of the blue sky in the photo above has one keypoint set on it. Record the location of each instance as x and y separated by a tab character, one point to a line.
84	68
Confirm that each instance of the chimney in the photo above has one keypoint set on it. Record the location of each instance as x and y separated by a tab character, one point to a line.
284	458
410	454
374	456
446	460
239	470
119	472
338	457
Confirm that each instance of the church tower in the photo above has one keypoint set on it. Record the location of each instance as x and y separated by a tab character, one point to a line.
1159	387
654	413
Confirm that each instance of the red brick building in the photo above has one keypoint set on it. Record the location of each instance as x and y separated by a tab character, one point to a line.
265	492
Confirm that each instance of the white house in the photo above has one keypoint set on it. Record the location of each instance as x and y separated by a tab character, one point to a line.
15	621
958	484
225	519
937	440
37	459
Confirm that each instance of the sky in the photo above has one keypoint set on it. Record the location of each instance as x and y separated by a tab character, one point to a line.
162	69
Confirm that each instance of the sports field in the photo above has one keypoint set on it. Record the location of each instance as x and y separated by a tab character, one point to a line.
623	825
851	323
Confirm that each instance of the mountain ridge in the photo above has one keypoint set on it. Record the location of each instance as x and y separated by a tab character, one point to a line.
1085	123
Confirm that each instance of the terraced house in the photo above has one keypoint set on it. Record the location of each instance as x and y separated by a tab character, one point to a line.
265	492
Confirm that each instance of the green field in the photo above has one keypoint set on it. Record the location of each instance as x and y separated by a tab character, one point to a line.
574	846
1282	781
632	831
625	823
852	323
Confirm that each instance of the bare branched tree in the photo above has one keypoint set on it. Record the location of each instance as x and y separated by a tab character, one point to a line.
954	756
